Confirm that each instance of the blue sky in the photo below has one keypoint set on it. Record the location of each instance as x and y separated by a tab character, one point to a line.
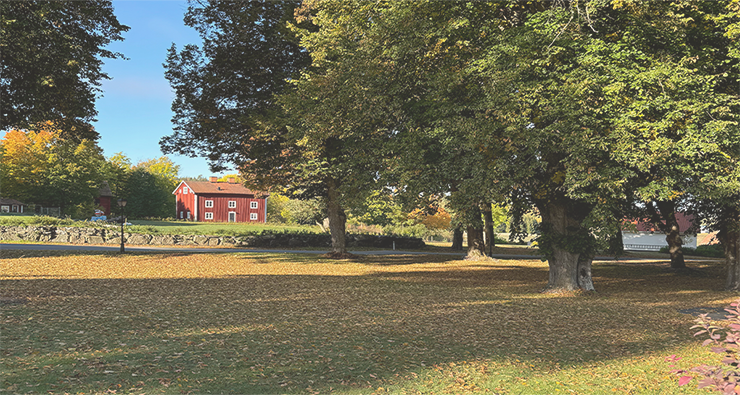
134	112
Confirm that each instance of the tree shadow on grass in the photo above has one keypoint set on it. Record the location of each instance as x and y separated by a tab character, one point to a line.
288	333
701	276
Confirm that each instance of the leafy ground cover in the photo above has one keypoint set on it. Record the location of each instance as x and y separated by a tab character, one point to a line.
262	323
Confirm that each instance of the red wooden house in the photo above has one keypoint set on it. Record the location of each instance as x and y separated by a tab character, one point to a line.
219	202
11	206
104	198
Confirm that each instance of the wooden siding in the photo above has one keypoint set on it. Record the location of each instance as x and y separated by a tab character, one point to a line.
105	203
195	204
185	203
221	208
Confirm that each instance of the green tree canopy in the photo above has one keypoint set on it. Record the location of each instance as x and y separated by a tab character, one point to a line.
52	53
557	105
224	88
146	186
40	167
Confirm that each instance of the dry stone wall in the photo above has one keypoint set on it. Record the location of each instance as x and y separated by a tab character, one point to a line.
75	235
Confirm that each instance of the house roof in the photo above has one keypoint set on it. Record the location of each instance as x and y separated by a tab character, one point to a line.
11	202
223	188
105	190
684	223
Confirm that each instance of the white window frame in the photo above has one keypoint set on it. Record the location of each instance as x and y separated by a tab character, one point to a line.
229	218
209	215
254	205
232	203
184	190
5	209
188	213
209	203
253	216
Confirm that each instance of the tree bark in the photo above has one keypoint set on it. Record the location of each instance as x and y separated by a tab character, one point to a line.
488	224
729	236
673	233
337	219
732	257
476	246
585	281
616	243
568	270
457	239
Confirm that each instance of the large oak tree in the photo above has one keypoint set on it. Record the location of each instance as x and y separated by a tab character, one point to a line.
568	118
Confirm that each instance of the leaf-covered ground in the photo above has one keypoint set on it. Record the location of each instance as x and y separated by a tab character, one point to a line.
239	323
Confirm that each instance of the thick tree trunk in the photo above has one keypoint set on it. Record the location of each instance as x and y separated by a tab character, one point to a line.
476	246
457	239
488	227
729	236
732	257
585	281
616	241
337	219
673	233
563	273
569	271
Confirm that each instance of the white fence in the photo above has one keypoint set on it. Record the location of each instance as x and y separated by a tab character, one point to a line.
647	241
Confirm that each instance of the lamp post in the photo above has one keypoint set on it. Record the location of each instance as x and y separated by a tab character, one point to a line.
122	205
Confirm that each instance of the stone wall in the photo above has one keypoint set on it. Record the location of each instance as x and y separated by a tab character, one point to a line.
74	235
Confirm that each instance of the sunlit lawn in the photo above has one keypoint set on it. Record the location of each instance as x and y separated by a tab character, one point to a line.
244	324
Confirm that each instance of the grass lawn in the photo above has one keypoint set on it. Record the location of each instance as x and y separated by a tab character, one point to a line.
253	324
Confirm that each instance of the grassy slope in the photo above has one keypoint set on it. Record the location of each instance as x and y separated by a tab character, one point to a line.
238	323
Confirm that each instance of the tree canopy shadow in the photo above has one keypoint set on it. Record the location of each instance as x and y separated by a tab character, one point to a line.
288	333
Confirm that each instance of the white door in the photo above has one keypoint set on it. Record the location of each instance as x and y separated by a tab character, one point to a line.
232	216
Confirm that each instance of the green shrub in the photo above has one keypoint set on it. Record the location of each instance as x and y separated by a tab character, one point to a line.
145	229
712	250
12	221
45	220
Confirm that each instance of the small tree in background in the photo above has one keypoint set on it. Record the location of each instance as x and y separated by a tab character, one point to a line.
147	186
284	210
41	167
379	208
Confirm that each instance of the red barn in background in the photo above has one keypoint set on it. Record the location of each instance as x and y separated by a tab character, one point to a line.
219	202
104	198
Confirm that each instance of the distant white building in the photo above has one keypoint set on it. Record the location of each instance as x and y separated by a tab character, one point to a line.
644	236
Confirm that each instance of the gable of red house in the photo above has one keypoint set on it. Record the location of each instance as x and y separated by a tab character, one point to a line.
213	201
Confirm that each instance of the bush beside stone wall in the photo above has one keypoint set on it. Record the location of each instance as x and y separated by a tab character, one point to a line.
74	235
